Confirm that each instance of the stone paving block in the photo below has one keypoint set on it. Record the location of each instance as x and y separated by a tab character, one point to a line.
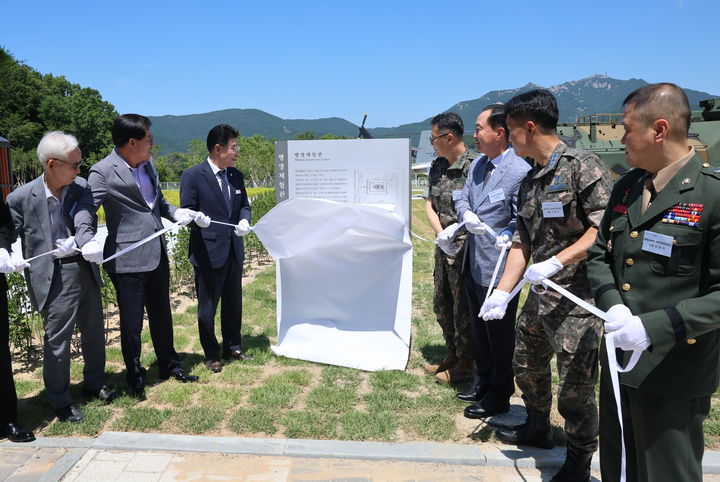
15	455
98	470
79	466
138	477
149	462
62	466
115	456
37	465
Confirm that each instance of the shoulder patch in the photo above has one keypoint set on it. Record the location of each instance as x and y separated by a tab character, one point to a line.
711	171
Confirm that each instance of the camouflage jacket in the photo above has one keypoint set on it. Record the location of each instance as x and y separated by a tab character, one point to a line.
445	184
579	183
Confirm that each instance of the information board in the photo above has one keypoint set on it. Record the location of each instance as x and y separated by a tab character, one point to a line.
363	171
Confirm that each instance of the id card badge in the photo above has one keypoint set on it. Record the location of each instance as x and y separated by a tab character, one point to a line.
553	209
657	243
496	196
456	195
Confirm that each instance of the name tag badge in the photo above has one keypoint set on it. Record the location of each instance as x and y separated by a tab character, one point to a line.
657	243
238	191
456	195
497	195
553	209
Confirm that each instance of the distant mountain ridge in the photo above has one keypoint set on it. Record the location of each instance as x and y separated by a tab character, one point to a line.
597	94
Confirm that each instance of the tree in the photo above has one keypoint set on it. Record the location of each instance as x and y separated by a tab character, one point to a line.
256	158
32	104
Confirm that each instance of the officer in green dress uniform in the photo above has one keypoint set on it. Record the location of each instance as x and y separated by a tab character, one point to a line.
655	268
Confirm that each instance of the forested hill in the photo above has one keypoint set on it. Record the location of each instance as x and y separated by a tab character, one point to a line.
593	95
173	133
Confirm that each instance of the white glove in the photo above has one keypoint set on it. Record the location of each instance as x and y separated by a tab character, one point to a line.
65	247
632	336
473	223
6	263
184	216
619	315
539	272
202	220
495	306
449	247
242	228
502	240
92	251
18	262
446	234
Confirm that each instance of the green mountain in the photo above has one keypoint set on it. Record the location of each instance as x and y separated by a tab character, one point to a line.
172	133
597	94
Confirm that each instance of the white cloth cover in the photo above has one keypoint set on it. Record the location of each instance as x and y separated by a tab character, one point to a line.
344	283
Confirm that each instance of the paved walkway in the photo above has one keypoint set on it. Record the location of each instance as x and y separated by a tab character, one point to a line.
138	457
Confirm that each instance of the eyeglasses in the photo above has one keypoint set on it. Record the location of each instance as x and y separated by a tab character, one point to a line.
74	166
434	138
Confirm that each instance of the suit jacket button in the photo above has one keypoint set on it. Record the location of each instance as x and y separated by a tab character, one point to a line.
633	234
629	261
691	341
706	164
626	286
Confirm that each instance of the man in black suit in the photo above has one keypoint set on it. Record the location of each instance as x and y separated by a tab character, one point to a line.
8	397
216	188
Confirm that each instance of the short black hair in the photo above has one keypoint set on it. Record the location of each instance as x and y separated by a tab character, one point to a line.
449	121
221	135
537	105
129	126
498	117
661	101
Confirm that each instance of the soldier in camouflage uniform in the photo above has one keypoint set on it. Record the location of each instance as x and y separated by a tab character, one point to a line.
445	183
561	204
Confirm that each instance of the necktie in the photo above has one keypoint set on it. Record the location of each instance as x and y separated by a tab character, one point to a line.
225	188
488	170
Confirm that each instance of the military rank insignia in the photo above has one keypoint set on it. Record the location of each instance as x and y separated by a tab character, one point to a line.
686	214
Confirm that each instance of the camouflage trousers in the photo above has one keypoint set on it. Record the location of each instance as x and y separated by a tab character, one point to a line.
577	372
450	306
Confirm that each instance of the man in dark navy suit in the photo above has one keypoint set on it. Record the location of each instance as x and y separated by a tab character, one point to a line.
217	189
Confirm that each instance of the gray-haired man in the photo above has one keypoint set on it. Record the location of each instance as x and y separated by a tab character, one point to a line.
65	289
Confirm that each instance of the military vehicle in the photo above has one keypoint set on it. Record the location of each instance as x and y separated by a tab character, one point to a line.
601	134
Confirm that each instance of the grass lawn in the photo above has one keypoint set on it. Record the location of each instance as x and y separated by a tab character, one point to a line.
280	397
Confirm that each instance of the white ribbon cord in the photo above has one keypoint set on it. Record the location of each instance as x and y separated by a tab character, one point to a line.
141	242
225	224
41	255
612	363
495	272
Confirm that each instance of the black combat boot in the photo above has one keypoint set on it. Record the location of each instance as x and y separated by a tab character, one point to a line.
576	467
535	431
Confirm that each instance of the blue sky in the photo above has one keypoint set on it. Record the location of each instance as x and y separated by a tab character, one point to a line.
397	61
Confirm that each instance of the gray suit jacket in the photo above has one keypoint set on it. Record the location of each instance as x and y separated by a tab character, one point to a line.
480	253
127	216
28	207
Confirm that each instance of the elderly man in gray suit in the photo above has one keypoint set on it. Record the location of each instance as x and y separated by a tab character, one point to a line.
126	184
490	198
55	212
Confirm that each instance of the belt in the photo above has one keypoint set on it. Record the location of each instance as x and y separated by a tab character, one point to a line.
70	259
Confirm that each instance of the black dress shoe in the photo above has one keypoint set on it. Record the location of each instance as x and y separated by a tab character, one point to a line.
105	394
473	395
239	355
71	413
485	408
214	366
15	433
181	376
